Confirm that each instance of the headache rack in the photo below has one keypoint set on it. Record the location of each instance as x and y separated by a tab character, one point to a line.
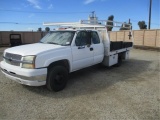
100	25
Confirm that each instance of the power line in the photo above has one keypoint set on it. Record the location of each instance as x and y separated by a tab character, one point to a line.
20	23
8	23
145	21
43	12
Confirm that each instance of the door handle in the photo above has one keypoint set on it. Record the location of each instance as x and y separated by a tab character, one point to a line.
91	49
81	47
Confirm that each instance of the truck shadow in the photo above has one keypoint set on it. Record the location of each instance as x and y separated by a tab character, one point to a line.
97	78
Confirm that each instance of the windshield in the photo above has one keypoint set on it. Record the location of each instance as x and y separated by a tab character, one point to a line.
58	37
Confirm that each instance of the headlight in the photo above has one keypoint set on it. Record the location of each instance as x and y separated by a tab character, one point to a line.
28	62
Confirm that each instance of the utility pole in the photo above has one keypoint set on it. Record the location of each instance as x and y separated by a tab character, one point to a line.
93	13
129	22
150	8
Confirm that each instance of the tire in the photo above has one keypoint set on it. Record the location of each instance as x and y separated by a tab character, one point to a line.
119	62
57	78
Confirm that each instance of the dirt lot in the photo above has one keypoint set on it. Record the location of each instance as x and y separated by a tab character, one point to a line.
128	92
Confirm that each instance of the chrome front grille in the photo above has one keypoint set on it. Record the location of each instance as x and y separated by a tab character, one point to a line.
12	59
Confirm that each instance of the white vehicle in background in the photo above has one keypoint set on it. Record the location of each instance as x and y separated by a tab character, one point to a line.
78	45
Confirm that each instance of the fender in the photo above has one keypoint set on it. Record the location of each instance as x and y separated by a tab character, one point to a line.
47	58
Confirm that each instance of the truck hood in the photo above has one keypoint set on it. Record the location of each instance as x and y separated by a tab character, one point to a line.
33	49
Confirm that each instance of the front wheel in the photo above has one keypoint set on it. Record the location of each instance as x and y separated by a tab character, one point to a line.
57	78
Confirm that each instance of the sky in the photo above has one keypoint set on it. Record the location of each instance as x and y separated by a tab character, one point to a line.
29	15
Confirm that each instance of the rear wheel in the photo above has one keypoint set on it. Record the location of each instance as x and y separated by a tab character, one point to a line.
57	78
119	61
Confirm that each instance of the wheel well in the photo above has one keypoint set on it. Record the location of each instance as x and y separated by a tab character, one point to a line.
64	63
121	55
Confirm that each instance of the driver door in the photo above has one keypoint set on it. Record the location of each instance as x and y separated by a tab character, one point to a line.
82	51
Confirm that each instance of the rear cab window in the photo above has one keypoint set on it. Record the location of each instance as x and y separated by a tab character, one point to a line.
95	37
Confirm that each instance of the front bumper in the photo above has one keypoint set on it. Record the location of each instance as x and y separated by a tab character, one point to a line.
31	77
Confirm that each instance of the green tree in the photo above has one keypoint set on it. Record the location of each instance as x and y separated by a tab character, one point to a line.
39	30
110	24
142	25
47	29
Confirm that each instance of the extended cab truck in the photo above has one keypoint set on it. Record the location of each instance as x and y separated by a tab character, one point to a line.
59	53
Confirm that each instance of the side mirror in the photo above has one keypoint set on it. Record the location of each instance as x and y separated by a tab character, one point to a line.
77	42
88	45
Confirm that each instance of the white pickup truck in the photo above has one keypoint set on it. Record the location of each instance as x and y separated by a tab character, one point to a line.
61	52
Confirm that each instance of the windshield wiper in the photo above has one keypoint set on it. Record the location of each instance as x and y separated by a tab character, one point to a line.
53	43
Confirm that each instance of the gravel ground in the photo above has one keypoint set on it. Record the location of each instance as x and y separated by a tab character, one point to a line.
128	92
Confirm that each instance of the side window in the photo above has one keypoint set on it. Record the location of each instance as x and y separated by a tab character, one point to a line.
82	38
95	38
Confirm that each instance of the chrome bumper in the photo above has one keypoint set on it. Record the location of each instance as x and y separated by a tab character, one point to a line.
31	81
